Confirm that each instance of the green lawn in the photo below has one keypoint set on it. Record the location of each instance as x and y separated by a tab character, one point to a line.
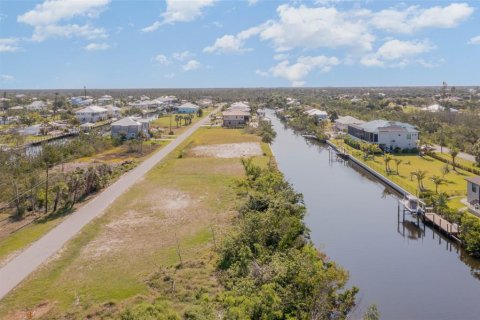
455	180
114	258
458	160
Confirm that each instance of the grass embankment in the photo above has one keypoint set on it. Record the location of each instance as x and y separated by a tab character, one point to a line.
454	186
129	254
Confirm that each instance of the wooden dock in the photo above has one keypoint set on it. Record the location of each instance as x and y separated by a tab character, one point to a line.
442	224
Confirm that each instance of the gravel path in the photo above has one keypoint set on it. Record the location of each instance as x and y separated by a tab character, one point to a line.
15	271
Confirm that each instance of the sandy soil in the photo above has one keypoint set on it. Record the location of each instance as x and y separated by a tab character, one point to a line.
154	215
231	150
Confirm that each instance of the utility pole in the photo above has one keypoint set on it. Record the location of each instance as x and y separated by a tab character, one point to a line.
85	91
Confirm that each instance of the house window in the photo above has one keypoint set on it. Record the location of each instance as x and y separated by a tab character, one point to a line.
409	136
474	188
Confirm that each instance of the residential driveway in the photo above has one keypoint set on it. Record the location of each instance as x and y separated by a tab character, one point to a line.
31	258
462	155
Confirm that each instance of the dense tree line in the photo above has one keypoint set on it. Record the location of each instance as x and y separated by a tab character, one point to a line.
269	268
36	181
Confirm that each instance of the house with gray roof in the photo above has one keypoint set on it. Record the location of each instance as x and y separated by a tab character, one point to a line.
389	135
129	127
473	194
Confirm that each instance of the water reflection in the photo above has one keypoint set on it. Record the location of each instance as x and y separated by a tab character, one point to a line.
408	269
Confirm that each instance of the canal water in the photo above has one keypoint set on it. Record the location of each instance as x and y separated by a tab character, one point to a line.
408	271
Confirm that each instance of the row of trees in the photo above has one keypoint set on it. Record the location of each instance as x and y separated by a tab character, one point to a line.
28	180
268	266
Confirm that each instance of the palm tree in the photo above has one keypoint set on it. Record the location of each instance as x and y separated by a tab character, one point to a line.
420	175
397	163
387	160
453	153
440	202
437	180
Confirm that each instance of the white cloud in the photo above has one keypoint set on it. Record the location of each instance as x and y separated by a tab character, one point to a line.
42	33
53	11
9	45
321	27
182	56
474	40
162	59
414	18
397	53
46	18
252	2
304	65
191	65
7	78
96	46
180	11
280	56
226	44
233	43
262	73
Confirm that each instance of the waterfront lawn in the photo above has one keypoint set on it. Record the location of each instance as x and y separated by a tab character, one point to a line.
455	185
129	255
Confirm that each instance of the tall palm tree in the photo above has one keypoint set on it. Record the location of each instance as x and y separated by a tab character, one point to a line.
453	153
387	160
437	180
397	163
420	175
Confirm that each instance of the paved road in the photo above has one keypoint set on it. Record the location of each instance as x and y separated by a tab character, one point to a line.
462	155
30	259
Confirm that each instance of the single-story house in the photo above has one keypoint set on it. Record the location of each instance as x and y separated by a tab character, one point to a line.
389	135
188	108
235	118
129	127
91	114
239	106
87	126
34	130
473	194
342	123
437	108
112	111
36	105
104	99
318	114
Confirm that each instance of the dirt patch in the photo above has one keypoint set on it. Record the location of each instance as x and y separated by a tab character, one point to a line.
151	215
35	313
230	150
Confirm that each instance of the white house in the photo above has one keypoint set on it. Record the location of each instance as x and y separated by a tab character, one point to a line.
473	194
188	108
240	106
437	108
91	114
36	105
129	127
112	111
105	99
389	135
318	114
342	123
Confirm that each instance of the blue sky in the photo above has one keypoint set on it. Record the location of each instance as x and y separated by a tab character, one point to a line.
208	43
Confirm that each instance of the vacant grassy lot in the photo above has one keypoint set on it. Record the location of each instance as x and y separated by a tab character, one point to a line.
455	180
132	252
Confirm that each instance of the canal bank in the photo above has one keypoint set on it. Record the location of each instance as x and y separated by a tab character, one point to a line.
408	271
